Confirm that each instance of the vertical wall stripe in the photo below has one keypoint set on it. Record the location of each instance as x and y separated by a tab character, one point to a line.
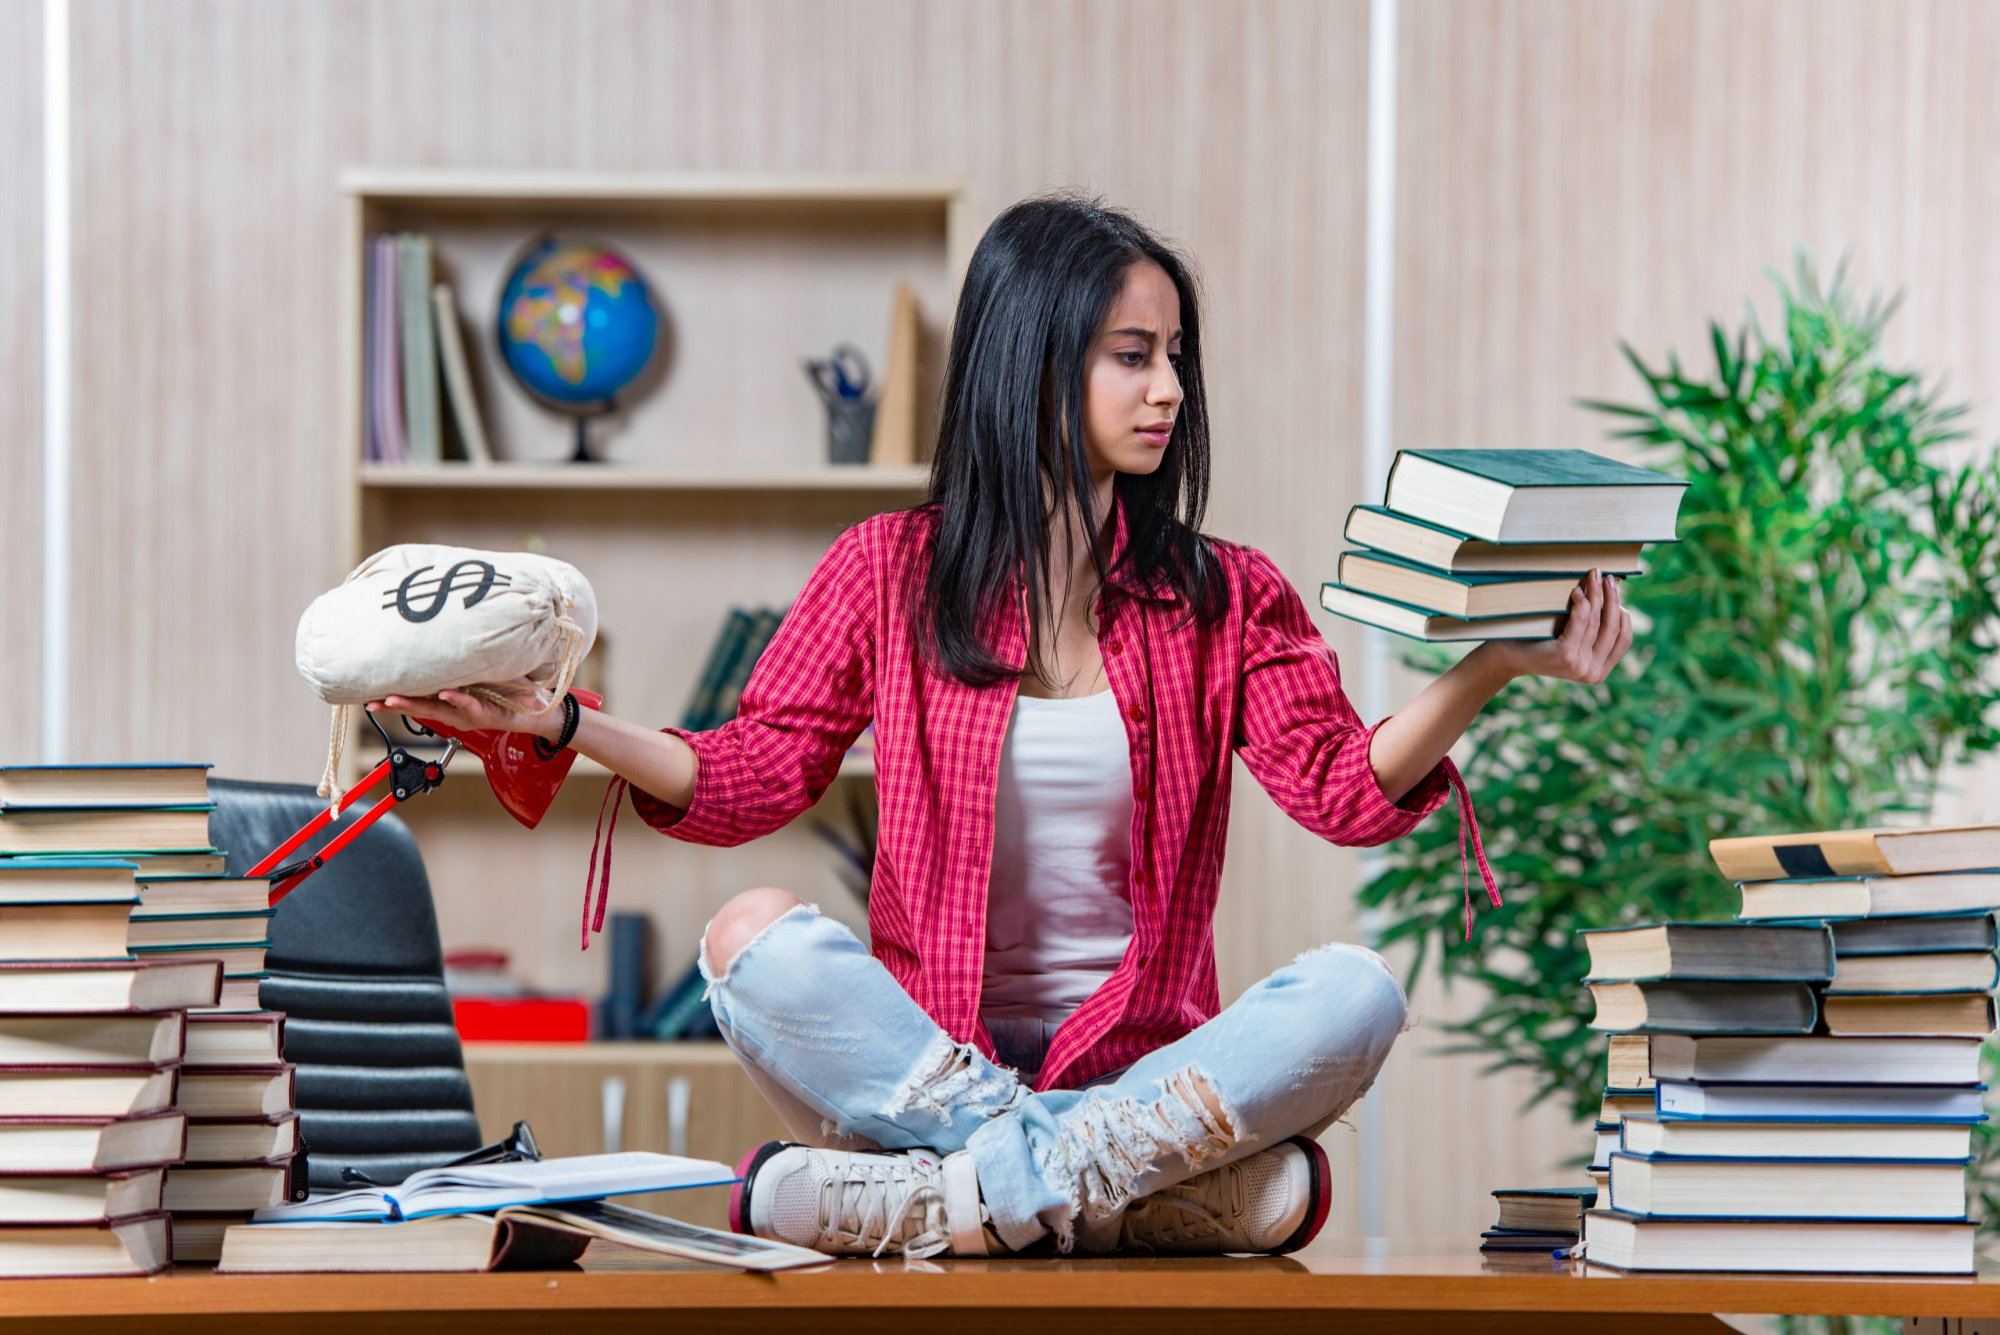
1378	319
56	398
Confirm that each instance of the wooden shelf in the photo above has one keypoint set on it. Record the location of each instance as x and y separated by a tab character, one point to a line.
621	477
360	762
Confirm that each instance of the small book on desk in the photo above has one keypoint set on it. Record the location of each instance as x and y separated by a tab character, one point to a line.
1545	1209
102	830
1456	553
1730	952
90	1144
1668	1005
478	1187
1832	853
1538	496
103	785
521	1237
1859	1061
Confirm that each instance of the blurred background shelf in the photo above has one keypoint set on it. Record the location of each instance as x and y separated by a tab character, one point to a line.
638	477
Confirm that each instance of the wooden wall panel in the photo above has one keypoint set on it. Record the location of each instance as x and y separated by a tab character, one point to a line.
21	381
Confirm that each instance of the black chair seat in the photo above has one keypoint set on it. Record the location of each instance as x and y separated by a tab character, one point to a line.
357	968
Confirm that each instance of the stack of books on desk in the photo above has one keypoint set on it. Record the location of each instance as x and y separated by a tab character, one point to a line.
1538	1219
243	1148
1489	544
1816	1080
91	1041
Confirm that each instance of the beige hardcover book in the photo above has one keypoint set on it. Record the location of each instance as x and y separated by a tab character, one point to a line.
92	1040
87	1091
1963	1015
228	1186
246	1092
1871	896
1939	971
99	831
1774	857
235	1038
894	444
136	1245
77	930
67	987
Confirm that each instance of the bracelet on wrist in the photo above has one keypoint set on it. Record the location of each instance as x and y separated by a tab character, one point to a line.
572	715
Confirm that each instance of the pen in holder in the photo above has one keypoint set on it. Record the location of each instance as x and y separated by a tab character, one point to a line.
842	383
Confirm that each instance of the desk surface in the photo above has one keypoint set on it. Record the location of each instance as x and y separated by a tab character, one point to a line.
1358	1285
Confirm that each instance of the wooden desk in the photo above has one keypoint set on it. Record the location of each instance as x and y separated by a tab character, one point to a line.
1356	1287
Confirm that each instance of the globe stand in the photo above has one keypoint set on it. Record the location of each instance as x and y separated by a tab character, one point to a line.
582	454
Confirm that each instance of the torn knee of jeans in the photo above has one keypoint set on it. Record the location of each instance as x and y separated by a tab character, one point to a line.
953	1077
1105	1145
1343	948
707	967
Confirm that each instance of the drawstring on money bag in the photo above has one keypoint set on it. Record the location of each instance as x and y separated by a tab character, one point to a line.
1468	824
614	797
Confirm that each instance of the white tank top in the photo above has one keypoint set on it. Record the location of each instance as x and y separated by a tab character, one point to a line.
1057	917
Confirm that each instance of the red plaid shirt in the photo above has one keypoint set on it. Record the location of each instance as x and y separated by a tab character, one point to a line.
1261	683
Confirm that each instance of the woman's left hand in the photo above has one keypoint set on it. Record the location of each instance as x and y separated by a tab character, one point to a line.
1597	636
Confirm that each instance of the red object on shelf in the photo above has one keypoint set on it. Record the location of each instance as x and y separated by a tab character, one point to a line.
522	1019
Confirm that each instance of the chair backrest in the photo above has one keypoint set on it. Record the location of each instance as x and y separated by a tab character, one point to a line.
357	968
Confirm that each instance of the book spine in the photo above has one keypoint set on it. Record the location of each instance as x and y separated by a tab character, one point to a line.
728	644
419	347
371	436
387	407
763	627
458	377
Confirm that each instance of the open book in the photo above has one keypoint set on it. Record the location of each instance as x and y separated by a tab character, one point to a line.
477	1187
522	1237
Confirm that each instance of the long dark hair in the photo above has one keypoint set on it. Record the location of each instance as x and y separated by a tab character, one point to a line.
1011	468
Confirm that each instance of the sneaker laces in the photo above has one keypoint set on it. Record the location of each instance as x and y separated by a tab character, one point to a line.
1204	1201
856	1207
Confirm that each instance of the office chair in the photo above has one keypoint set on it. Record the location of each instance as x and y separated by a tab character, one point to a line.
357	967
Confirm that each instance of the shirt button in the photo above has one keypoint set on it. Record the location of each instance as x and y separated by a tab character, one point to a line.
1114	648
1136	714
1143	792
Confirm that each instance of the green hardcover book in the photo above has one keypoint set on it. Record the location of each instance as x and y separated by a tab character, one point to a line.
1535	496
1421	623
1714	951
1675	1007
418	338
764	624
1466	596
1447	549
97	832
700	716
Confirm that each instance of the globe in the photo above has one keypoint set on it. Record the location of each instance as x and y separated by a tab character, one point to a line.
577	324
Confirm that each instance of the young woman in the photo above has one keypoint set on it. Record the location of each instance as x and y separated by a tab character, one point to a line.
1061	669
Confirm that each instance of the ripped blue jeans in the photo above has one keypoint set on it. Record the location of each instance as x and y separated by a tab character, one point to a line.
851	1062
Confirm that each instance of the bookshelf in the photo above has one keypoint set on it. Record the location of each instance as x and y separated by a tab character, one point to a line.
715	491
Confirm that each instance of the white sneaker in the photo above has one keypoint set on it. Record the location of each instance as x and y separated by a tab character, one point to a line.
1274	1201
910	1203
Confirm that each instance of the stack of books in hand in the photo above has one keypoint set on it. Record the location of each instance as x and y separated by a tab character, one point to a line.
1816	1079
1489	544
91	1041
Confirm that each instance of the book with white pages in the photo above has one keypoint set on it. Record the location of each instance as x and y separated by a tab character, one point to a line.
182	930
1761	1138
67	880
479	1187
1870	896
1914	934
1774	1188
74	986
1816	1058
1621	1242
87	1091
1790	1101
182	896
104	785
92	1040
90	1144
1931	971
235	1038
519	1237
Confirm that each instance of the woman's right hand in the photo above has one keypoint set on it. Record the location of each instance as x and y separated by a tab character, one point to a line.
468	713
